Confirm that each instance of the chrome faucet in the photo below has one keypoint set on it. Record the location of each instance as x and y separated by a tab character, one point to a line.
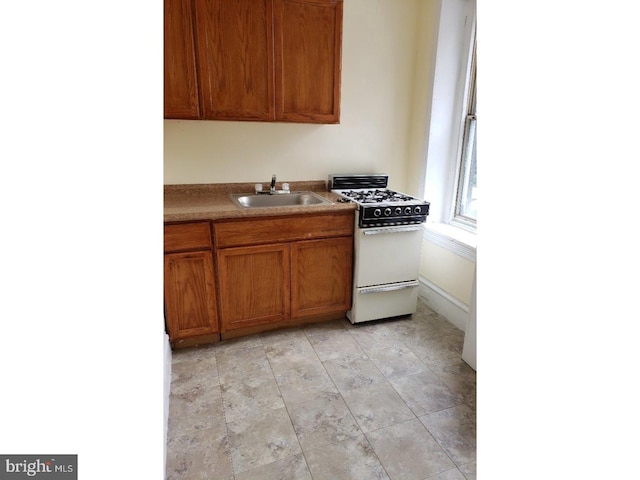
272	189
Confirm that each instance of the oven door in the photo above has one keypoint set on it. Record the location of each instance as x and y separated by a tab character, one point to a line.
387	255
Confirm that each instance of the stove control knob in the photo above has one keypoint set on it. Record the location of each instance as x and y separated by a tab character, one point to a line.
398	211
407	211
377	212
417	210
387	212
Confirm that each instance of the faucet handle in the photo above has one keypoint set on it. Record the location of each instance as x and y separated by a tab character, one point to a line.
285	187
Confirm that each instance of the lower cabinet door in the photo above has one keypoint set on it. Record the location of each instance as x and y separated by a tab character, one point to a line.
321	276
190	294
254	285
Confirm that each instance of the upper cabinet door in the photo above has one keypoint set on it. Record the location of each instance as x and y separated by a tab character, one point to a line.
180	86
308	48
235	56
261	60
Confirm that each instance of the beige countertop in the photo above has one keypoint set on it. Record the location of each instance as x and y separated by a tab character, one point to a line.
212	202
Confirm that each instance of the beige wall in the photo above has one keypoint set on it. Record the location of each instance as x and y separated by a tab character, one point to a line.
447	270
427	16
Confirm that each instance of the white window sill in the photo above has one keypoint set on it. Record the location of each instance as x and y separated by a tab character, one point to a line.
458	240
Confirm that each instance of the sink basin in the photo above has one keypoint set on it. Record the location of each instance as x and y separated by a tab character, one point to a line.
293	199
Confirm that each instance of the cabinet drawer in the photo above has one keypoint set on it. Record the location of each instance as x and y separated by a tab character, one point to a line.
187	236
259	231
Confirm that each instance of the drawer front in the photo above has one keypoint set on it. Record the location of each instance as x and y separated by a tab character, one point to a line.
187	236
259	231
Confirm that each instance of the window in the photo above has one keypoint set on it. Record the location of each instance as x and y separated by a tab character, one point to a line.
465	211
449	155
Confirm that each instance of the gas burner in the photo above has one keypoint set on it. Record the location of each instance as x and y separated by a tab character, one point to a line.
377	196
379	206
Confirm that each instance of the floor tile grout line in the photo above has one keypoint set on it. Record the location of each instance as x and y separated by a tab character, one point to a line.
306	462
426	365
233	467
363	433
415	416
442	447
428	432
286	406
364	436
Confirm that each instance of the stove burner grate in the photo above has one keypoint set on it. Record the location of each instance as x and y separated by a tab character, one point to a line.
377	196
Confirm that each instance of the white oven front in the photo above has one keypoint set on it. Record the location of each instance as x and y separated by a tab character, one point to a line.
386	270
387	254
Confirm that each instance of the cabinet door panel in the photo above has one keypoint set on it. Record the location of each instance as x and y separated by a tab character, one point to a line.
254	285
308	36
235	54
180	86
190	294
321	276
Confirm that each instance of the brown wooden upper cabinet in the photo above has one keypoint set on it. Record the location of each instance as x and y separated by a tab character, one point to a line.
260	60
180	87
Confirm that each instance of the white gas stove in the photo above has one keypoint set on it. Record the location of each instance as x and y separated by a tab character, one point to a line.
388	246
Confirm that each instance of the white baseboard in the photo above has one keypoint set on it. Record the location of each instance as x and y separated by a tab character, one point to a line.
444	304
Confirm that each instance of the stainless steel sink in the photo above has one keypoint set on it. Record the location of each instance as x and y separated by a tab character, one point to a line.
293	199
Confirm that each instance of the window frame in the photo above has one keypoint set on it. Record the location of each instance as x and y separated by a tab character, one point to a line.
468	122
446	107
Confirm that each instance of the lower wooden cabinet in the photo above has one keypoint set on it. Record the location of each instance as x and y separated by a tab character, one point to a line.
190	295
254	285
263	273
267	284
299	271
191	312
321	276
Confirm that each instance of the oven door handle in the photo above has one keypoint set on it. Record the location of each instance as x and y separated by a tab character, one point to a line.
388	288
376	231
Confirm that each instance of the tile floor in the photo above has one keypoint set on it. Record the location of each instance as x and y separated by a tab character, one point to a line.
381	400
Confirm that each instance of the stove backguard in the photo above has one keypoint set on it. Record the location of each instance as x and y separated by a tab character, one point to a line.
354	181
